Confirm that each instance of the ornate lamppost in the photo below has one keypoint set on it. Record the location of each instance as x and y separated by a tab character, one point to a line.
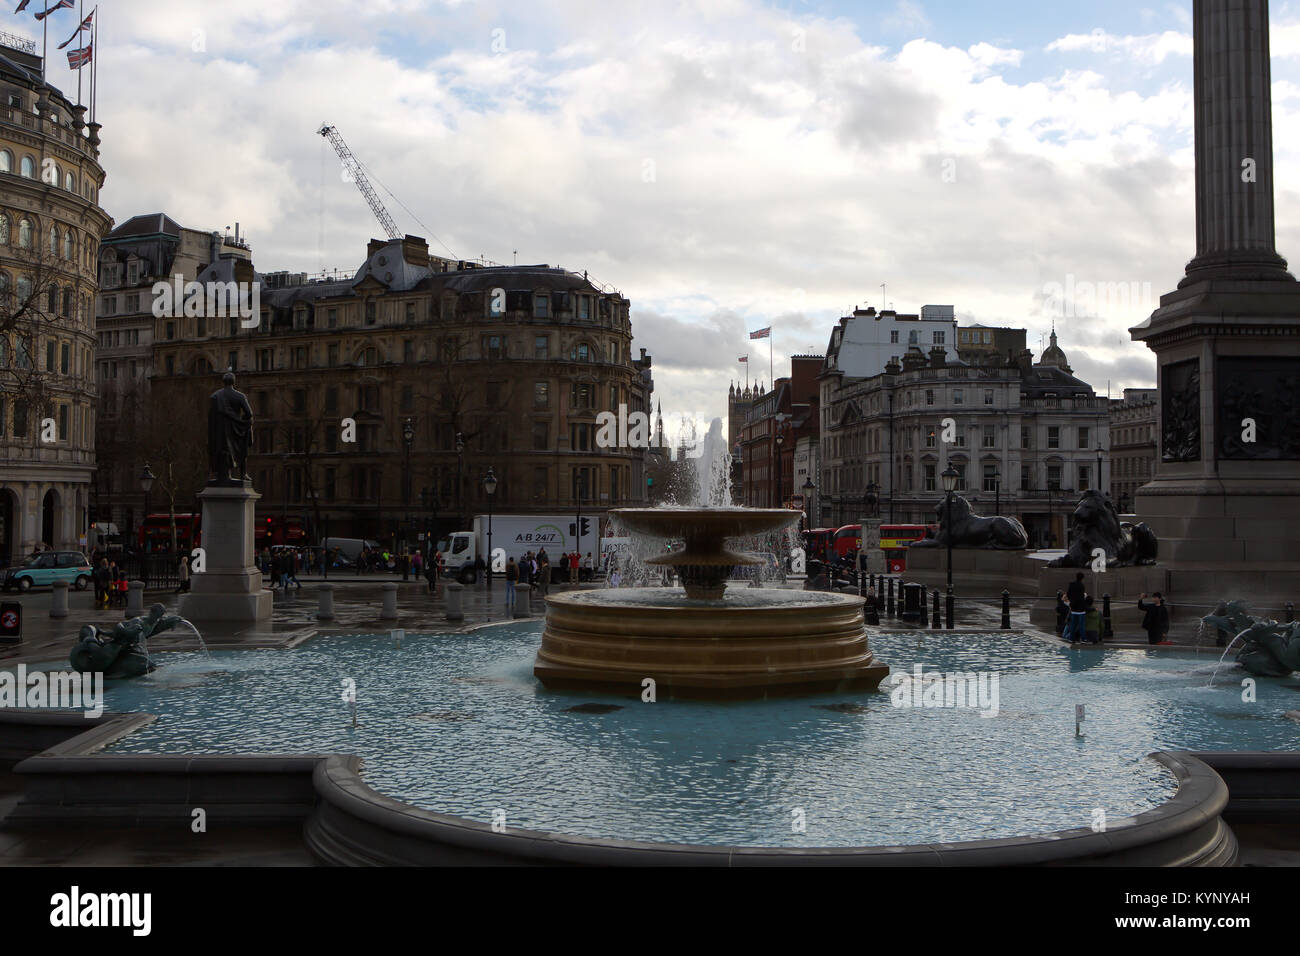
146	485
490	486
950	475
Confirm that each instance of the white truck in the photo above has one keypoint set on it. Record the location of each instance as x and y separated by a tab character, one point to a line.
512	537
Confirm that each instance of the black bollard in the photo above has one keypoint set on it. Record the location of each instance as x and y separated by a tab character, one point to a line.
1290	611
949	609
889	605
1107	632
935	621
1006	609
925	621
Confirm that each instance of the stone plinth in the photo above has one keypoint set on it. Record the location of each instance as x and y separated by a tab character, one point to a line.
229	588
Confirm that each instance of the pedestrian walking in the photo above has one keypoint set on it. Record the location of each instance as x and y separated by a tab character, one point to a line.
573	567
291	566
586	567
1155	619
544	575
1062	613
183	573
512	575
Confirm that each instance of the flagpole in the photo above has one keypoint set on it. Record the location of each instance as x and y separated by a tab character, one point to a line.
81	13
45	29
94	66
770	379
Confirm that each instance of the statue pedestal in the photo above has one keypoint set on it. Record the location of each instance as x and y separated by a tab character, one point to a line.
229	588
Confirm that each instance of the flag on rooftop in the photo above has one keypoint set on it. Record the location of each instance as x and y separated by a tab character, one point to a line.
61	5
79	58
85	25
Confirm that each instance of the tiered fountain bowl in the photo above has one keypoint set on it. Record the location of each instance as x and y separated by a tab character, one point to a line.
701	640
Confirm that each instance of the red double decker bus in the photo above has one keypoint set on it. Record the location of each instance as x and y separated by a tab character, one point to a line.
894	541
273	530
817	543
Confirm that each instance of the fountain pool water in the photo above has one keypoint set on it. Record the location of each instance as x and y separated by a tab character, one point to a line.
456	723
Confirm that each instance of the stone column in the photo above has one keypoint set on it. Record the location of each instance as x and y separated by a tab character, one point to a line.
1234	142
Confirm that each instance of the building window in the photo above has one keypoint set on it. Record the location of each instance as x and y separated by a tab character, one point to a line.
265	359
541	436
1083	440
6	161
408	349
1084	475
929	476
332	398
541	394
1054	477
893	336
584	307
960	468
938	338
170	365
410	312
65	355
580	437
581	396
1024	436
493	347
540	483
930	439
492	394
1024	478
956	396
1053	436
28	168
332	318
990	483
988	396
331	438
332	355
988	436
542	347
170	331
25	233
541	306
370	312
929	396
580	353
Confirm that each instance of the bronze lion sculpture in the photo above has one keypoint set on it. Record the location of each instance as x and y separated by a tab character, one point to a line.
970	530
1095	524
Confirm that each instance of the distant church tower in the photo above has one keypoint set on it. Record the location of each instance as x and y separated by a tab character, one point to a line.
659	426
738	400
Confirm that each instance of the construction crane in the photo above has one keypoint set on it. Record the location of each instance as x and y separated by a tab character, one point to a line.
358	175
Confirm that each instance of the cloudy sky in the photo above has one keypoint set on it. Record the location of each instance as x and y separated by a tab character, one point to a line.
726	164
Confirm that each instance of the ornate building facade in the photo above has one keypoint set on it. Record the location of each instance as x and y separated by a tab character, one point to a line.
382	400
1133	444
50	228
1023	438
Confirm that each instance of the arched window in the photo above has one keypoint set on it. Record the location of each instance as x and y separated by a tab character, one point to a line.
28	168
70	182
25	233
580	353
54	240
24	290
4	229
67	302
69	246
6	161
52	299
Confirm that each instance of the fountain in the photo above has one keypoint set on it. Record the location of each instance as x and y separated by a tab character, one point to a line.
696	641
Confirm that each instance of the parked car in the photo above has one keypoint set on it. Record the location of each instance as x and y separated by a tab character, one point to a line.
42	570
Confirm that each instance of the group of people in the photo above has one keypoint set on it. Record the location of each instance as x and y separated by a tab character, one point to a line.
111	585
532	569
1079	621
577	568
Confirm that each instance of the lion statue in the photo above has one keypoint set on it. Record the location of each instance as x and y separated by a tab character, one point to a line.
970	530
1094	525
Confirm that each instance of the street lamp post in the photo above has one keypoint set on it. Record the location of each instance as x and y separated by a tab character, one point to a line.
997	492
949	476
1100	487
580	482
490	486
460	472
146	485
408	439
780	440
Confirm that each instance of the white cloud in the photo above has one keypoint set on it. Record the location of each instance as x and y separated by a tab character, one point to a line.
1150	49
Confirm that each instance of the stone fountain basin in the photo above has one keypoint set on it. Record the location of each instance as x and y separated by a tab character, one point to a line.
704	523
753	643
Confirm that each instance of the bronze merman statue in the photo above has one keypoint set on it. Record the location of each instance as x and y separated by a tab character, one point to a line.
230	431
117	652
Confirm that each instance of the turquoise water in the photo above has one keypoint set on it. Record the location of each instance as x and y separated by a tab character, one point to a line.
456	723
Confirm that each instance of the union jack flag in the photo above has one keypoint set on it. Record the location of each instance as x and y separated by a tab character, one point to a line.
79	58
761	333
61	5
85	25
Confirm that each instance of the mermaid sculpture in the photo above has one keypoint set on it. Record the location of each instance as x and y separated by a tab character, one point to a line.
117	652
1269	649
